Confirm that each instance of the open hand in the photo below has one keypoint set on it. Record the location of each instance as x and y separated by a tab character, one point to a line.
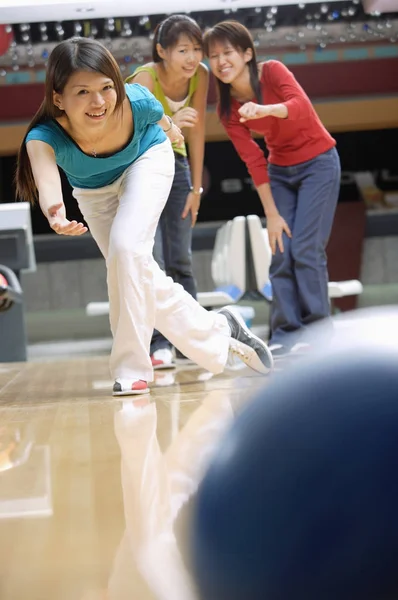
60	224
191	206
276	225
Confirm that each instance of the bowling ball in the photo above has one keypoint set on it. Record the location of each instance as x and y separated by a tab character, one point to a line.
300	500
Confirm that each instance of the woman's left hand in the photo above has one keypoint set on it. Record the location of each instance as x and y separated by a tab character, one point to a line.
251	110
191	205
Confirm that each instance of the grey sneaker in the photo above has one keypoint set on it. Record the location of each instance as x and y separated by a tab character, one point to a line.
245	345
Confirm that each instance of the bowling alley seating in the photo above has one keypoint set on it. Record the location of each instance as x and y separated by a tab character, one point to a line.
262	255
228	265
228	269
240	269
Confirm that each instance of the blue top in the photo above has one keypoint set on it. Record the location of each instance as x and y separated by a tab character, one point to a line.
86	171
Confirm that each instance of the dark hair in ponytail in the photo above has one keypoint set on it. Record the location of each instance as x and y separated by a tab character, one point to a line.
167	33
239	37
69	56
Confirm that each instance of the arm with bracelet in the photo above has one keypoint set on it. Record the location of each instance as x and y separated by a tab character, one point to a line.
171	130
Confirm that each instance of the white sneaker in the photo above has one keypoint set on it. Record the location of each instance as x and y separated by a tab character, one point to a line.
162	359
124	387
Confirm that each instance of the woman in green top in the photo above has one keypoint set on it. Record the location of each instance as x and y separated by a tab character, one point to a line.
179	80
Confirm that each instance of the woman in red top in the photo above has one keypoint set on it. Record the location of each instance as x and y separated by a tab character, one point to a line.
299	187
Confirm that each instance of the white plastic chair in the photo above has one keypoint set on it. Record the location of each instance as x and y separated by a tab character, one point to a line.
228	269
262	257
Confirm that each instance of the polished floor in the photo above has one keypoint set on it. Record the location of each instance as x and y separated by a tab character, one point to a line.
94	490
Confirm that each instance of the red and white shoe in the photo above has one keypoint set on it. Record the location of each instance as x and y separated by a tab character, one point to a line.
124	387
162	359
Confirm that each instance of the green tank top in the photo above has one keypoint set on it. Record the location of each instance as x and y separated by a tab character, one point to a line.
159	95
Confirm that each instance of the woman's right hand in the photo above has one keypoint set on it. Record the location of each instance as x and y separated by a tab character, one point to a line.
276	225
60	224
175	135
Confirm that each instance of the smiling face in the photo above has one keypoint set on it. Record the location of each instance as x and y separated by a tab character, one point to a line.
183	58
228	63
88	100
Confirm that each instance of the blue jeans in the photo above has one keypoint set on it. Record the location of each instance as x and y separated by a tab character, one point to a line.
173	240
306	197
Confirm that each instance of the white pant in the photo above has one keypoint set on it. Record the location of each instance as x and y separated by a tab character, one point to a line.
122	218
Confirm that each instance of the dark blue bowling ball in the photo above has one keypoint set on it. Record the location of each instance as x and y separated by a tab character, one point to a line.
301	500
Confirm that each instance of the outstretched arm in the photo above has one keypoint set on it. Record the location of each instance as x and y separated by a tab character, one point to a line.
48	183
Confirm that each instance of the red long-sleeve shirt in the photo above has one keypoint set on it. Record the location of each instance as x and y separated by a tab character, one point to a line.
296	139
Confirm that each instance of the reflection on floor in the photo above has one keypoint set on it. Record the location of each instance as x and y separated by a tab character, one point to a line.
92	488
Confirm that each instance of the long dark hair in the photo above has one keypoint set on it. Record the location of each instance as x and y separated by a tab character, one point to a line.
167	33
75	54
239	37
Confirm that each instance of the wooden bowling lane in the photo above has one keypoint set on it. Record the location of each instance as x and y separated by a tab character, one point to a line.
91	486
